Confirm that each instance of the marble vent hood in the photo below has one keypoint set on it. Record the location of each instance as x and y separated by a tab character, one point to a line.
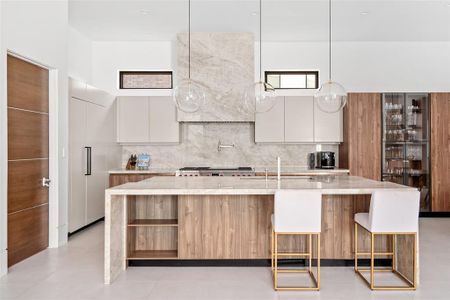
223	63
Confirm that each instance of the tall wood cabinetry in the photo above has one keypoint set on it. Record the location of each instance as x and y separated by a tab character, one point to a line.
440	149
92	152
361	150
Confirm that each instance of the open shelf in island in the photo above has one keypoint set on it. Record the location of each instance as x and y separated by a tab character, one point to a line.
152	227
153	222
152	254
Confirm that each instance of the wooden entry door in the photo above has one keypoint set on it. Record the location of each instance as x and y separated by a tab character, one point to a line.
28	159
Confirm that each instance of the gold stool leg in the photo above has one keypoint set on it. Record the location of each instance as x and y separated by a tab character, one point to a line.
356	247
271	252
372	259
318	261
310	251
415	261
275	280
411	284
308	270
394	252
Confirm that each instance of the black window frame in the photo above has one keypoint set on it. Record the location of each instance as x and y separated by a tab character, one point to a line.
122	73
316	73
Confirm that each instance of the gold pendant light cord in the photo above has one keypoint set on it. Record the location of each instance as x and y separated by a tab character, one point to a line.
329	39
260	40
189	39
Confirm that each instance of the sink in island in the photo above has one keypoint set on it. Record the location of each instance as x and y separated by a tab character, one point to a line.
228	218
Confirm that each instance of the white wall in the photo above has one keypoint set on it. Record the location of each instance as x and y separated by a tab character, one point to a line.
80	56
369	66
110	57
359	66
37	30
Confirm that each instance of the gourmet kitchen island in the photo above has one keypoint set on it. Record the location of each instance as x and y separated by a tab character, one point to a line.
228	218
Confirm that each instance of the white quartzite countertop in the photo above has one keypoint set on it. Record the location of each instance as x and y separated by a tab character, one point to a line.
171	185
286	171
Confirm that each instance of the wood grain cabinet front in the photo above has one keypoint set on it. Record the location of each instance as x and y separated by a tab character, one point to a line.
118	179
360	151
440	149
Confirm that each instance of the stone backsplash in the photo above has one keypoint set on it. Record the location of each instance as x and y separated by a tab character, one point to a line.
199	143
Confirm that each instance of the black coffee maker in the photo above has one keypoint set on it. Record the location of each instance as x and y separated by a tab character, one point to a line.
325	160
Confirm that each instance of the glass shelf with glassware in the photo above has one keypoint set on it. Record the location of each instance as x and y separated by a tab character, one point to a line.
405	146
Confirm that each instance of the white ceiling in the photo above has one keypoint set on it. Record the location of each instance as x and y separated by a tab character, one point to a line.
283	20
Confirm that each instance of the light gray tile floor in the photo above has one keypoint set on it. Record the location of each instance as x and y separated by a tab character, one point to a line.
75	272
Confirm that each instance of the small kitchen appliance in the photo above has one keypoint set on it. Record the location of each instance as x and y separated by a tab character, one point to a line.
325	160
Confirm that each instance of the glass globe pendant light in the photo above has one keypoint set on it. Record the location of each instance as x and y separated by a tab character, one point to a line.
332	96
189	96
260	96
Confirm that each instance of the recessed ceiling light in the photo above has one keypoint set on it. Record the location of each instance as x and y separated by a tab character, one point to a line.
364	13
145	11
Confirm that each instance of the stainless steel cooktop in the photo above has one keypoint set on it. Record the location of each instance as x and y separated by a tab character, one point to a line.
209	171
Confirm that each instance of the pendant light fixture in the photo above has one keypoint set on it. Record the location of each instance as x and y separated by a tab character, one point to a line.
332	96
189	96
260	96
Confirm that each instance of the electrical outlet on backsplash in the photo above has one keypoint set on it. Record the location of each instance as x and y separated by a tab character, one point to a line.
199	142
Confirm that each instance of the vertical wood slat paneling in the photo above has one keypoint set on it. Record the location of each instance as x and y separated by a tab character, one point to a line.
361	150
440	149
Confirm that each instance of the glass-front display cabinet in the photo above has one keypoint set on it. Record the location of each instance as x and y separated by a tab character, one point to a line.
406	147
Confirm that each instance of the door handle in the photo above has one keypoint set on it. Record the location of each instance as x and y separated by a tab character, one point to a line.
46	182
88	161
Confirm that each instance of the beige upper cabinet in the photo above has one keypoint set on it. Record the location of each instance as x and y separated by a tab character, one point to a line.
299	119
327	127
147	120
132	120
164	127
269	126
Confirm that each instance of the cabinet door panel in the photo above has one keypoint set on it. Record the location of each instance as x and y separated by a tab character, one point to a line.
77	89
327	127
132	120
360	151
77	203
97	137
440	148
163	124
299	119
269	126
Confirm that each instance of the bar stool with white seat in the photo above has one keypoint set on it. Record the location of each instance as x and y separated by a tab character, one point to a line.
391	213
296	212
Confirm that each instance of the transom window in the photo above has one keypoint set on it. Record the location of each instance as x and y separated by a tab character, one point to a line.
145	79
293	79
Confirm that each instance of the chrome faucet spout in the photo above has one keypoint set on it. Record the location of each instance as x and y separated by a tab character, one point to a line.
221	146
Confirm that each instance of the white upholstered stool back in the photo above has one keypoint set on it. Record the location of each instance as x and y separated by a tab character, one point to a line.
394	211
297	211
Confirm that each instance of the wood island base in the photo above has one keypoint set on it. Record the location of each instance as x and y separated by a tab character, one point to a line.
227	227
